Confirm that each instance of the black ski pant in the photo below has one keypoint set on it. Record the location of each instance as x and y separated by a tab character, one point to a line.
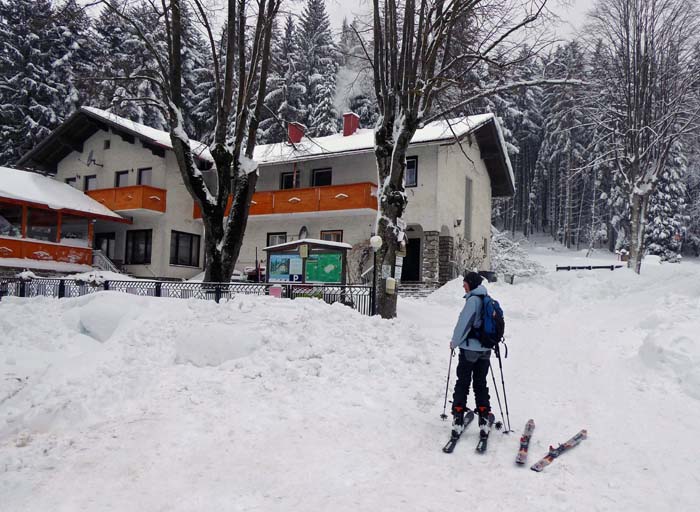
473	367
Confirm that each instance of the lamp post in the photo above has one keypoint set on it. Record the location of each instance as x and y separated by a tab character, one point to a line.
376	243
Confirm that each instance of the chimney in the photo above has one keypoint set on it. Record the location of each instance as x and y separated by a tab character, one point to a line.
295	131
351	122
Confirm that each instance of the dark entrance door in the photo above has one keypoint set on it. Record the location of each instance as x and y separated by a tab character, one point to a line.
105	242
411	262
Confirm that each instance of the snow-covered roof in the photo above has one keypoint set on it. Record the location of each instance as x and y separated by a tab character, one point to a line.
84	123
363	141
159	137
312	241
34	188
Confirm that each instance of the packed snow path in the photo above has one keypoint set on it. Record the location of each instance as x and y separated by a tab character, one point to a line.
115	402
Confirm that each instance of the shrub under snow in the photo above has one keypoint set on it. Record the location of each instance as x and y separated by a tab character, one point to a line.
507	257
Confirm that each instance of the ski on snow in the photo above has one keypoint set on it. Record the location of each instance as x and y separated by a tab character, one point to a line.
454	437
521	457
556	452
484	431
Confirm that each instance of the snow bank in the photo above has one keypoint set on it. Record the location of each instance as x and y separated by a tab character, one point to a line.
276	404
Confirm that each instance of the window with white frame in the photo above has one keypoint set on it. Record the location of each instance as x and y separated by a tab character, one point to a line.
411	174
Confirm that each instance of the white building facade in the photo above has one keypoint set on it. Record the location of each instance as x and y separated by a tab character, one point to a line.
323	188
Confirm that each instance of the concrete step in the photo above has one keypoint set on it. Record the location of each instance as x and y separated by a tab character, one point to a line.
417	290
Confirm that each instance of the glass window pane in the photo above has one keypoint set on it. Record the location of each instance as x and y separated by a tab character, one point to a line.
138	247
322	177
411	175
122	179
90	182
42	225
10	220
145	176
74	230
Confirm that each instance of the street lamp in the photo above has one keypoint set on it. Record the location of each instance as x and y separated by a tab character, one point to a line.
376	243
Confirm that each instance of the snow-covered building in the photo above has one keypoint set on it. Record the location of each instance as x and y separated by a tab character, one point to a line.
323	188
47	225
131	169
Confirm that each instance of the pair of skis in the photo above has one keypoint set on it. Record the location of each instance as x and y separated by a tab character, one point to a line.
483	433
521	457
553	453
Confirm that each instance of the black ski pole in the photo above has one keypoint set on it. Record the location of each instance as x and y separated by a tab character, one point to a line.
447	386
503	385
498	397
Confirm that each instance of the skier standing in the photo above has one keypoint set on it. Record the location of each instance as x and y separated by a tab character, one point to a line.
474	358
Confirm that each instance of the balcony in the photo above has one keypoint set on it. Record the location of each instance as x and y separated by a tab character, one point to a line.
134	199
353	196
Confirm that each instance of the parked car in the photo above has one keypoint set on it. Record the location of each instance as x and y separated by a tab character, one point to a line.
252	273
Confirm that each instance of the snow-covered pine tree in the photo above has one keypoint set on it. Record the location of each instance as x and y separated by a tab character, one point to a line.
667	217
563	156
283	102
123	57
30	98
75	52
318	66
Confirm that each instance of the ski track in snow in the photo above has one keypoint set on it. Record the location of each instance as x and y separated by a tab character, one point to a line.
116	402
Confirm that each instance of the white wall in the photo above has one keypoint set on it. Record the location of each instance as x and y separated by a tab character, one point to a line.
453	170
121	156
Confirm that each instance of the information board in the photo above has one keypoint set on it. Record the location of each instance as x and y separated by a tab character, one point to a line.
324	268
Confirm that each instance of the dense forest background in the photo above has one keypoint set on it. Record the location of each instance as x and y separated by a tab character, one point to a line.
54	58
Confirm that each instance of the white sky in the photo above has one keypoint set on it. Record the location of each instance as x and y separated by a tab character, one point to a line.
572	12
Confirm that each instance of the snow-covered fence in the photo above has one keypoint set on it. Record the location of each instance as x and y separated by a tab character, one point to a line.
356	296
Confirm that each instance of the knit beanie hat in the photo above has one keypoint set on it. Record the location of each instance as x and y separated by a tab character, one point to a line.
472	279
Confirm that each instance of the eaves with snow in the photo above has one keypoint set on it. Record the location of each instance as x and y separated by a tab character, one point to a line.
43	191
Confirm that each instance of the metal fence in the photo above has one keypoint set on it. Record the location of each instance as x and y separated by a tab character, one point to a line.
356	296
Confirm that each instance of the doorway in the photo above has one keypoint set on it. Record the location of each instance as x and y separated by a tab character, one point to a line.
411	262
105	242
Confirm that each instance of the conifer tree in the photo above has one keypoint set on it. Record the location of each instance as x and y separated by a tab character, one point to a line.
283	102
318	66
30	103
666	217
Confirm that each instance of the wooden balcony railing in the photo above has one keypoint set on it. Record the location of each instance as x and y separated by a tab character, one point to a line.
352	196
44	251
137	197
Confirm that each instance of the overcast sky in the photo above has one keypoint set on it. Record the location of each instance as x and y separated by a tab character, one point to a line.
572	12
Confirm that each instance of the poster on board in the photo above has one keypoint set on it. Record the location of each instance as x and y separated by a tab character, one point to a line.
285	267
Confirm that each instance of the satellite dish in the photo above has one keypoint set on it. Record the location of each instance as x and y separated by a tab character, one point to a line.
91	160
303	233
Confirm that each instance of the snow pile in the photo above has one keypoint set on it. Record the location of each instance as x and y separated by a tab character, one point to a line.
276	404
509	258
98	277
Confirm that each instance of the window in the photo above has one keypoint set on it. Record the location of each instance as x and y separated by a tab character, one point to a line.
42	225
146	176
276	238
10	220
411	175
73	182
121	179
108	144
90	183
74	229
289	180
184	249
321	177
335	235
138	247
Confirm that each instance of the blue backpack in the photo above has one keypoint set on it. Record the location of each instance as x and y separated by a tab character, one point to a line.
493	325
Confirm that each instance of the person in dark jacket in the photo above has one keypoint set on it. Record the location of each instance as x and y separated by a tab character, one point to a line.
473	366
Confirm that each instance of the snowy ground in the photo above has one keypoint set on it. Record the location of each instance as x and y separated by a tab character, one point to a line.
123	403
